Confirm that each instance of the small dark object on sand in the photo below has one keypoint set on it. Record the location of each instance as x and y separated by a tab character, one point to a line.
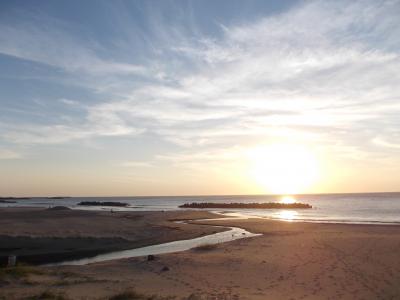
205	247
165	269
150	257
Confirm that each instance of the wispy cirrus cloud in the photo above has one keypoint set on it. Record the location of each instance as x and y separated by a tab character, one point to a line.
55	47
325	71
64	133
380	142
136	164
6	154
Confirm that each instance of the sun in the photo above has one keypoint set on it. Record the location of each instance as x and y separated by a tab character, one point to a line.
283	168
287	200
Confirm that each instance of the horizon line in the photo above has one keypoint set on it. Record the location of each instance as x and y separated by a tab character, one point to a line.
203	195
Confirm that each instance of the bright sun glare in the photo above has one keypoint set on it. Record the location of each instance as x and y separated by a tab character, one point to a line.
283	168
287	215
287	200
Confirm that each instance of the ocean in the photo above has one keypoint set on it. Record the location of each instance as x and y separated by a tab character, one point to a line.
363	208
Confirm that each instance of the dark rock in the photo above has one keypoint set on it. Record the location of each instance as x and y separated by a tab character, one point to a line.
150	257
165	269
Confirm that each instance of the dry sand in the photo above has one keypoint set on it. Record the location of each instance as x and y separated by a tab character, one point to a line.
289	261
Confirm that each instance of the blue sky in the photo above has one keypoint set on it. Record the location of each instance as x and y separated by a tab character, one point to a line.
170	97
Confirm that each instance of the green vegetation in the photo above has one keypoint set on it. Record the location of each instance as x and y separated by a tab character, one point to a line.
47	295
128	295
19	271
132	295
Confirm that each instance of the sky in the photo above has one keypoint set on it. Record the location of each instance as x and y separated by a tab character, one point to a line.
199	97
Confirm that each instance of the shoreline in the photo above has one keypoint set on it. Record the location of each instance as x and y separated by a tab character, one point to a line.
59	235
290	260
224	214
313	221
81	247
52	248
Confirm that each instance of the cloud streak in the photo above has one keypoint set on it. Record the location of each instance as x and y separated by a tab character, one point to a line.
55	47
6	154
324	71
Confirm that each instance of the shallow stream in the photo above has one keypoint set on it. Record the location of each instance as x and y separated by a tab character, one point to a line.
234	233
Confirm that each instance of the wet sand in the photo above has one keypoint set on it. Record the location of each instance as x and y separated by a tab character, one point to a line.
41	236
289	261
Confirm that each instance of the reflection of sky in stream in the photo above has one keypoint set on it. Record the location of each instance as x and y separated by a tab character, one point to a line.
182	245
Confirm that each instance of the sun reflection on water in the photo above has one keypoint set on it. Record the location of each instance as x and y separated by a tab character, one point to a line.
287	215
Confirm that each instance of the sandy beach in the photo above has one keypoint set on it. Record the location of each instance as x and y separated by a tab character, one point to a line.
289	261
36	235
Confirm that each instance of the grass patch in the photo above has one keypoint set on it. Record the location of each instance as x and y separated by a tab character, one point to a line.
82	280
129	295
19	271
206	247
29	281
47	295
132	295
66	274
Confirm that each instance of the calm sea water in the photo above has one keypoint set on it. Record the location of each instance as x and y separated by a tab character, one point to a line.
375	208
